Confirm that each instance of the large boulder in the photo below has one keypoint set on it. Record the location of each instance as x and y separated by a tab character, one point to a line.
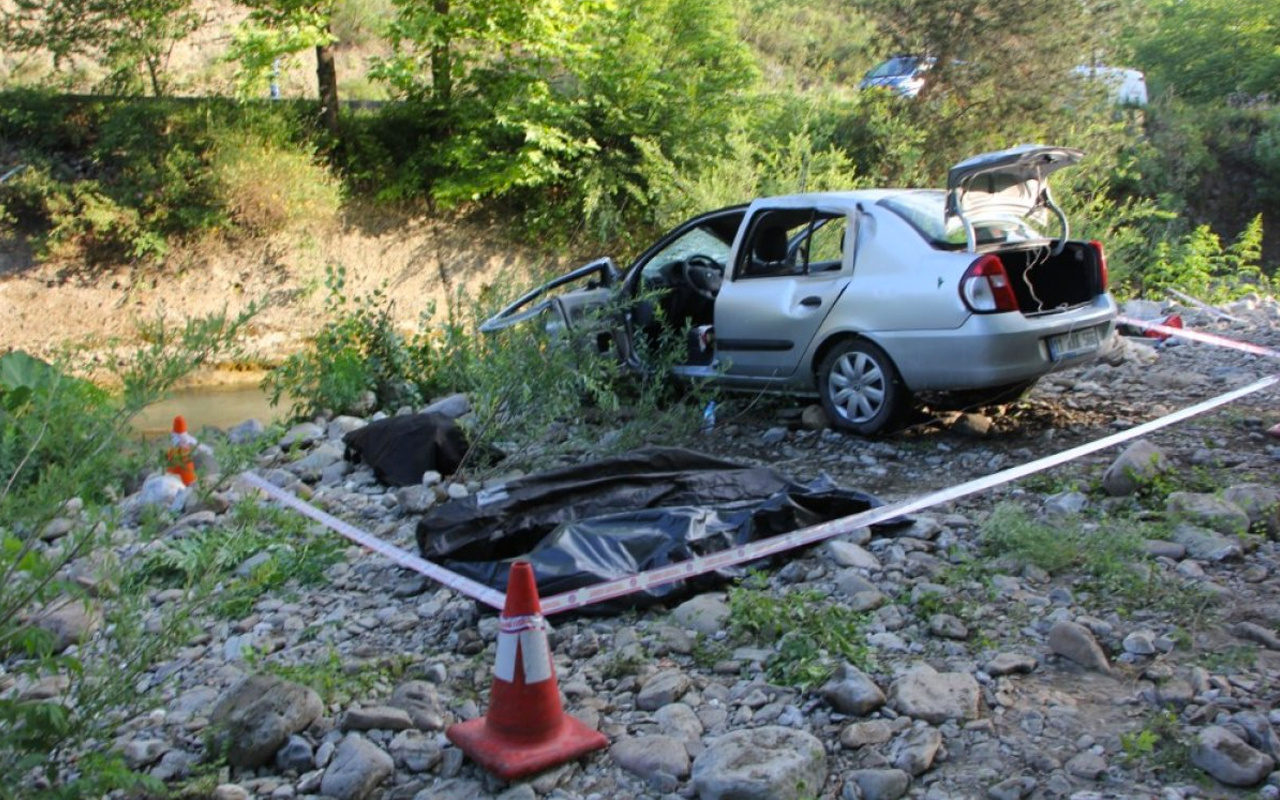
936	696
1137	466
770	763
257	715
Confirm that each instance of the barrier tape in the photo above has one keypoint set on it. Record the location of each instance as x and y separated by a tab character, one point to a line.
754	551
577	598
459	583
1197	336
517	624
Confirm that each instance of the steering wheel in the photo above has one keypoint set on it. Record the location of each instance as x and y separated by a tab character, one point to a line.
703	275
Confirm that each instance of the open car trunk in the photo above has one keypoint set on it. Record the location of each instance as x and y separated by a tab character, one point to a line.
1045	283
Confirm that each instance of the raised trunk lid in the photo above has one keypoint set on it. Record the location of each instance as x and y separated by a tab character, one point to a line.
1011	183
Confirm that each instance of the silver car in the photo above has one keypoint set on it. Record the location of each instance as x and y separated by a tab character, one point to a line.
864	297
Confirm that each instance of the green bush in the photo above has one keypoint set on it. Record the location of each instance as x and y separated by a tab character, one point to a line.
266	187
63	439
122	180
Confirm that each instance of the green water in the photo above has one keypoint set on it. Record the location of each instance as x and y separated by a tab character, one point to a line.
220	406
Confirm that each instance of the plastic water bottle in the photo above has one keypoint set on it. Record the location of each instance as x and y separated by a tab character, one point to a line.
709	417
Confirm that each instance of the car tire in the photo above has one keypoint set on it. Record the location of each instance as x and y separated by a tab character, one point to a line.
860	387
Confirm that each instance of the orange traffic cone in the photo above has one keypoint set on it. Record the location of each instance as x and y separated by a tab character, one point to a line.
526	729
178	455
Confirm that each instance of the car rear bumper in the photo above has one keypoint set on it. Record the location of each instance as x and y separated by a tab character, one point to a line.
998	349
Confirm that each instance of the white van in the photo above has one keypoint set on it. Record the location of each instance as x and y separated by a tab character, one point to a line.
1128	87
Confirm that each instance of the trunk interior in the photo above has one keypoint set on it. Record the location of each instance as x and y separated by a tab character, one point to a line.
1045	283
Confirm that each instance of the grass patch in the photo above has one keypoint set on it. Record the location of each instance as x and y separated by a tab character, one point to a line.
1108	559
261	550
338	680
811	635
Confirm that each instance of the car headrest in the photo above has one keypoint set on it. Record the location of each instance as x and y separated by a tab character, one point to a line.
771	244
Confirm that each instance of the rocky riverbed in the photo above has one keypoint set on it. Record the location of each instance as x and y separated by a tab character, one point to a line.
978	674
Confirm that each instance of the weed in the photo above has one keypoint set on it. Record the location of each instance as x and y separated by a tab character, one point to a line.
624	663
262	549
810	634
337	680
1233	658
1158	745
1108	559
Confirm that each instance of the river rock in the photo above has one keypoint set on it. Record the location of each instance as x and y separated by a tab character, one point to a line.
296	755
70	620
358	766
1260	503
913	752
1074	641
769	763
850	691
1010	663
420	700
1209	511
1223	755
251	430
935	696
650	756
663	688
707	613
861	734
1206	545
1137	466
303	434
848	554
369	718
258	714
878	784
452	406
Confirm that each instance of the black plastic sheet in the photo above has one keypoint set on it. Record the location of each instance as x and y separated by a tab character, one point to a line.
614	517
399	449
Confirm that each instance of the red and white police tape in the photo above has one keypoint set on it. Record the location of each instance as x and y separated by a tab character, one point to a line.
1197	336
752	551
459	583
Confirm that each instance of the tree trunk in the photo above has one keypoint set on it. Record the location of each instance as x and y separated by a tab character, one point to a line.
327	83
441	69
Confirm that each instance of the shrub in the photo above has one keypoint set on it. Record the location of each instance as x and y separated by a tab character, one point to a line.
267	188
62	438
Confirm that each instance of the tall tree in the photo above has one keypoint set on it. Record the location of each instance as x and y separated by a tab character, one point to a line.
1001	71
1210	49
280	28
132	39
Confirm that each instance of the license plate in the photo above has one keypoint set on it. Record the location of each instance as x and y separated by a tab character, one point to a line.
1075	343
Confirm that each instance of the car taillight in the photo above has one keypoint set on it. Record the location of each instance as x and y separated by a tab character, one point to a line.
985	287
1103	278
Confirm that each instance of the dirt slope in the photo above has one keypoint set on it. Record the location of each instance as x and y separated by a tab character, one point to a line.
418	261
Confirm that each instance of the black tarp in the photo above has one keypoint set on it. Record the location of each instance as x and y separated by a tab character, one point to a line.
617	516
399	449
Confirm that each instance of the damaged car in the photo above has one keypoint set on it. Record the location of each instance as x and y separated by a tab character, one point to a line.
865	298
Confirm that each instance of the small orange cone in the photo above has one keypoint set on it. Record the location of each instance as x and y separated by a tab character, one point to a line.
526	729
178	455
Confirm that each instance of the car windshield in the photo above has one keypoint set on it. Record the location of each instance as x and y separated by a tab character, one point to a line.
898	65
702	240
926	211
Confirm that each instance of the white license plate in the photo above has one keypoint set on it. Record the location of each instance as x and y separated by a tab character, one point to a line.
1075	343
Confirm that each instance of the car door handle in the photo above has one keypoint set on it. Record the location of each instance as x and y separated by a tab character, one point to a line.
811	302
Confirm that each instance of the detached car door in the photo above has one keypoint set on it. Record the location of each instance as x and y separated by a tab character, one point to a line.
790	268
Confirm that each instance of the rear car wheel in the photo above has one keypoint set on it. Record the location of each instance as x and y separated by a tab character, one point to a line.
860	387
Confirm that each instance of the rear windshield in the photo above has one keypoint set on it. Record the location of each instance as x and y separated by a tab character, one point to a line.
898	65
926	211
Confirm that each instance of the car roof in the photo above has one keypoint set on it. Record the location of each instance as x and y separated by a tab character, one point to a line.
845	199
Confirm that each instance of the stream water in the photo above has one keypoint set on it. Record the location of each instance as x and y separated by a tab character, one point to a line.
223	405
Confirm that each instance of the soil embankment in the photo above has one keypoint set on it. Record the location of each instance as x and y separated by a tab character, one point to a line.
419	263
